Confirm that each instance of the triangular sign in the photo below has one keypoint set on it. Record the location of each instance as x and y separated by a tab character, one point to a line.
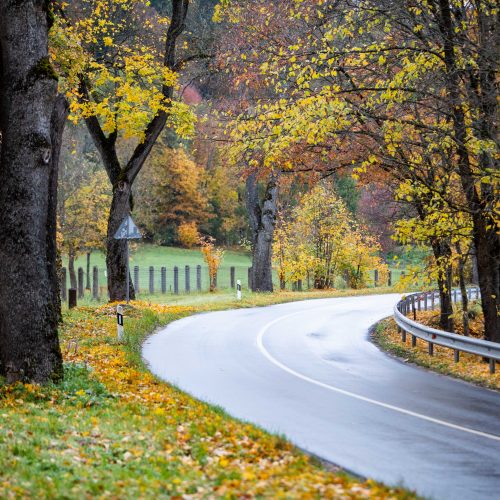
128	230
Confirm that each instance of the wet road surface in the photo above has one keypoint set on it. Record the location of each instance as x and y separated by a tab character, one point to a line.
309	371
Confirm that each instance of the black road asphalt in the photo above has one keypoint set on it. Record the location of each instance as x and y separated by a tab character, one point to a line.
309	371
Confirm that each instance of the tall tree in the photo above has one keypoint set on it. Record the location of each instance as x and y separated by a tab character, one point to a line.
29	308
122	82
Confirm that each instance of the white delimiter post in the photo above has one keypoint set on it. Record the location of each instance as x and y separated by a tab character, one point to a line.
238	289
119	320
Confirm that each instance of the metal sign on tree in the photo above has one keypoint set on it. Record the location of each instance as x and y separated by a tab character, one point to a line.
128	231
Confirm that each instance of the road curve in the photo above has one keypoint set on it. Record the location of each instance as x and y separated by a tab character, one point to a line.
309	371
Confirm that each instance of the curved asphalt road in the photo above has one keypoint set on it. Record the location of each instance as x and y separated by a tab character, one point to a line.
308	370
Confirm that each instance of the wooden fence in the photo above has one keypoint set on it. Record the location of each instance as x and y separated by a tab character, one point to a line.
180	280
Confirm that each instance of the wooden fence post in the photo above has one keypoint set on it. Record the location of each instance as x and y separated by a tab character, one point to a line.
64	288
72	298
163	280
233	274
151	279
136	279
176	280
187	279
95	283
80	283
198	278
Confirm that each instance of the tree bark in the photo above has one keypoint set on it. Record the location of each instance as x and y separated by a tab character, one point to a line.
463	290
442	252
262	221
29	344
116	250
58	122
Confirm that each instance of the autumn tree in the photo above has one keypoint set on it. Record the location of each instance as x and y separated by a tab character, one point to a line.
83	219
362	81
122	81
30	131
324	239
170	193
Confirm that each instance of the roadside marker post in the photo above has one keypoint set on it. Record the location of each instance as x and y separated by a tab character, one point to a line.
238	289
128	231
119	321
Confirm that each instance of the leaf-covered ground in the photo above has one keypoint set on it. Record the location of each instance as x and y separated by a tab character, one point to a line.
470	367
113	430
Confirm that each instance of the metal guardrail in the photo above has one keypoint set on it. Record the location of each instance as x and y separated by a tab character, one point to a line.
459	343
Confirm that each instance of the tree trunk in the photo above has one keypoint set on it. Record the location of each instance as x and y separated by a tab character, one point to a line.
263	222
87	278
29	345
442	252
58	123
463	290
116	250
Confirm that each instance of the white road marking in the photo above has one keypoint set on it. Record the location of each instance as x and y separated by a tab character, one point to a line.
272	359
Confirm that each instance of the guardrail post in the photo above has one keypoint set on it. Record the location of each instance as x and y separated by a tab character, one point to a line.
413	341
187	279
426	296
198	278
456	355
375	277
389	279
413	308
492	366
151	279
403	335
176	280
432	301
163	279
419	302
136	279
431	349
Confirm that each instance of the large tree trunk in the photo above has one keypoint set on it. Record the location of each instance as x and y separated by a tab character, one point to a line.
262	221
486	238
116	250
29	345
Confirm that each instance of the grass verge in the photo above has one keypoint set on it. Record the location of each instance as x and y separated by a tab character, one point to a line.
470	368
111	429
